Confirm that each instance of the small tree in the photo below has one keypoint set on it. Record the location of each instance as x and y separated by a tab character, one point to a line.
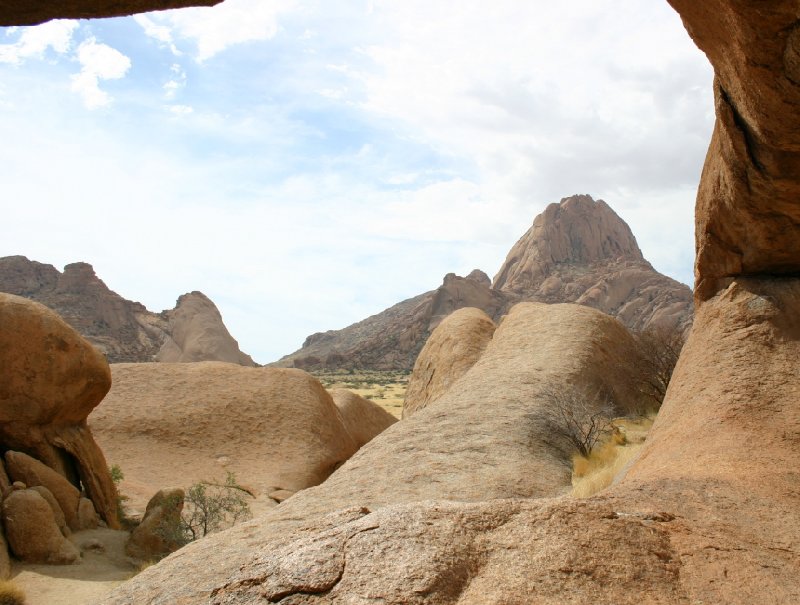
570	419
210	507
658	349
117	477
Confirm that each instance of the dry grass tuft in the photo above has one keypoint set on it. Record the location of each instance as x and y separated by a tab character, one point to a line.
595	473
11	594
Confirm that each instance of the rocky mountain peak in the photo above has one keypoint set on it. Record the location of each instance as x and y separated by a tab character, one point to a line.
576	231
479	276
577	251
124	330
80	278
193	297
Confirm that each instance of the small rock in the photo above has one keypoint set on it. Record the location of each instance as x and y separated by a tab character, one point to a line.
87	516
156	536
57	512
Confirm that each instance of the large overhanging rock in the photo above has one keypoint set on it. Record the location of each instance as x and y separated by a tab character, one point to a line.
50	379
32	12
748	204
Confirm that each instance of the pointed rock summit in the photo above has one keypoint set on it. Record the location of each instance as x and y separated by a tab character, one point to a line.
195	332
125	331
577	232
578	251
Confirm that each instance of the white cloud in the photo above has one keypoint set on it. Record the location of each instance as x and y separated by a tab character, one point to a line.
180	110
33	42
216	28
355	160
161	33
178	81
544	102
98	62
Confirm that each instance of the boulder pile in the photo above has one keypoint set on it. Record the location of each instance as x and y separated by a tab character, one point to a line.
54	478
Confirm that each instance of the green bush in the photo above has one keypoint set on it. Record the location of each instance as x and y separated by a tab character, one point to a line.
117	476
210	506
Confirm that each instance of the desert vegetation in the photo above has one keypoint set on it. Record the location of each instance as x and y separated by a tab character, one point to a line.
595	472
11	594
212	506
206	507
117	476
657	352
574	420
582	425
595	443
386	388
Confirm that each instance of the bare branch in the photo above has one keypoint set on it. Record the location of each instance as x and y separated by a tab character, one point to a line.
572	420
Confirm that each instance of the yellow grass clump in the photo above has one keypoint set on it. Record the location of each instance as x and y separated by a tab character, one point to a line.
595	473
11	594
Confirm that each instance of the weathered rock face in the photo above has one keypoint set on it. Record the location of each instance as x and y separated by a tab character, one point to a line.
32	13
32	531
475	443
5	558
176	424
577	231
123	330
576	251
363	419
580	251
51	379
87	515
479	440
156	535
393	338
748	216
196	333
708	513
58	514
453	348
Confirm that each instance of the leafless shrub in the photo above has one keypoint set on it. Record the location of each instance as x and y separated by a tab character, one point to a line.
571	419
657	353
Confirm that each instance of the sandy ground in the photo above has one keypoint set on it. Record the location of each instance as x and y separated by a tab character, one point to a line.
103	566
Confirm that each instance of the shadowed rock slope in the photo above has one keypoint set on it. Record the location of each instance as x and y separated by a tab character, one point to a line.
577	251
476	443
123	330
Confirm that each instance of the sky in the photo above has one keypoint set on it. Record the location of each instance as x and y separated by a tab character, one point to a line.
307	164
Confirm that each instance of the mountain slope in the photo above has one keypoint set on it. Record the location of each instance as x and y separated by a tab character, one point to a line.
123	330
578	250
